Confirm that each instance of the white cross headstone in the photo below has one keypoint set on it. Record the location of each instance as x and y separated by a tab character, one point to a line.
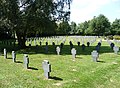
47	68
5	53
73	52
94	55
26	61
14	56
116	49
58	50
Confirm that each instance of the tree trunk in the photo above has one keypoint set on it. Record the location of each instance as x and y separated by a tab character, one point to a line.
21	40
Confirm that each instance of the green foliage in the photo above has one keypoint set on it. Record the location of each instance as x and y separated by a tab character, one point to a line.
64	28
24	17
82	27
100	25
117	37
116	27
73	28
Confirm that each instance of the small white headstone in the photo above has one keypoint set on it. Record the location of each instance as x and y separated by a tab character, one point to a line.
73	52
94	55
5	53
14	56
47	68
116	49
58	50
26	61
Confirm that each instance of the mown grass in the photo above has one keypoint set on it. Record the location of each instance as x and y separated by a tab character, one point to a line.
66	73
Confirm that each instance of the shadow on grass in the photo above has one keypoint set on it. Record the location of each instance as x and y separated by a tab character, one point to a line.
66	50
101	61
18	62
32	68
78	57
9	58
56	78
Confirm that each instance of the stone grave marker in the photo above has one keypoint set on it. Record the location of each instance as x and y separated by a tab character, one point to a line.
58	50
116	49
112	45
73	52
71	45
46	43
40	43
88	44
29	45
47	68
61	45
53	43
94	55
14	56
31	41
5	53
26	61
99	43
97	48
83	46
46	49
78	43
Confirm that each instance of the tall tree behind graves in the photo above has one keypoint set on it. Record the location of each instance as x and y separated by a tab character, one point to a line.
63	28
82	27
115	27
31	16
73	28
99	25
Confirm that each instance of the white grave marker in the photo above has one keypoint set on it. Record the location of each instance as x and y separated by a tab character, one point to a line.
116	49
73	52
5	53
14	56
26	61
58	50
47	68
94	55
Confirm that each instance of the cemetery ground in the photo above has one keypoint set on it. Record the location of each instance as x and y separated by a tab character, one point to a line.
65	73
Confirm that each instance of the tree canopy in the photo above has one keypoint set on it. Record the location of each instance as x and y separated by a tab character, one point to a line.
24	17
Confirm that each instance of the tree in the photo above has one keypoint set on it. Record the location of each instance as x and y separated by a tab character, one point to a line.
34	16
64	28
73	28
82	27
115	27
100	25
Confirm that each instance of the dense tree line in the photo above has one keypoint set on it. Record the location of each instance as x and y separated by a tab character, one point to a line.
99	25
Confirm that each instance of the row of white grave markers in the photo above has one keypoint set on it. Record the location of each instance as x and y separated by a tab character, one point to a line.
83	39
45	64
94	54
62	39
44	39
116	41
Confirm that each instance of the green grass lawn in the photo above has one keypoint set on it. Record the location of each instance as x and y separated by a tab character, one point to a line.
66	73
